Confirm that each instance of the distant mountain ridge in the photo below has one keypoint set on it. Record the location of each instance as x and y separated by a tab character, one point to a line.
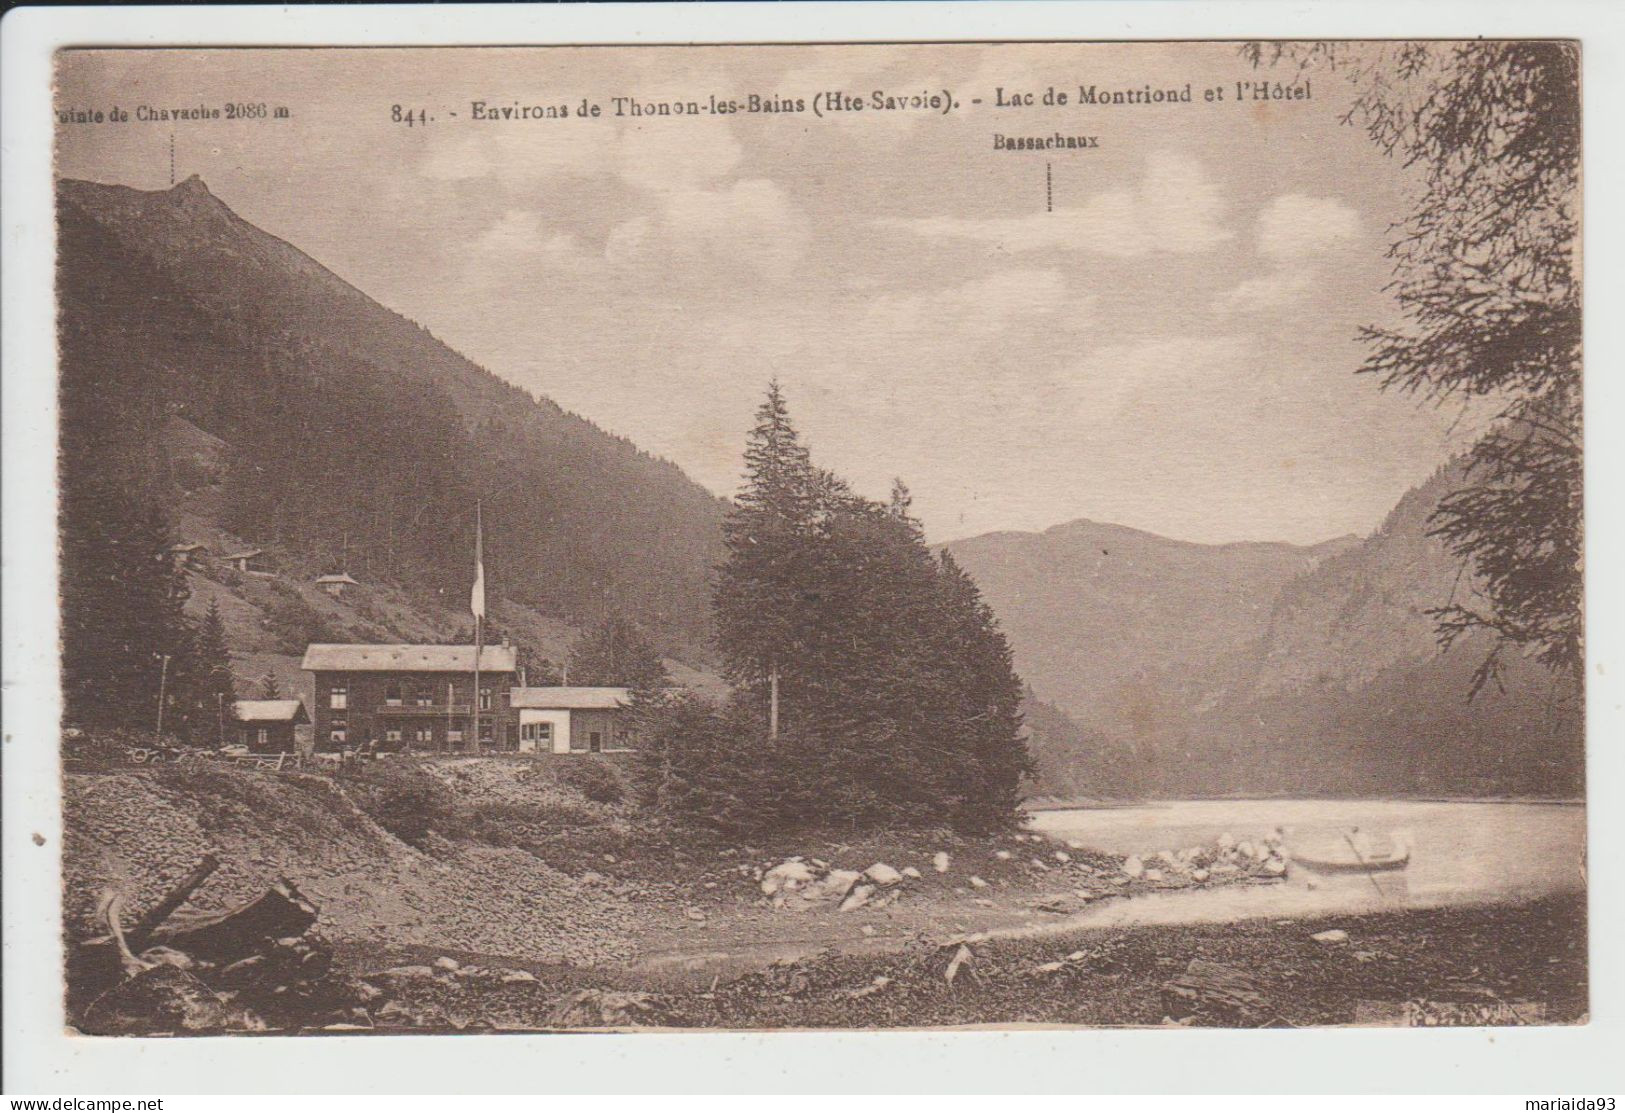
300	415
1267	668
1097	610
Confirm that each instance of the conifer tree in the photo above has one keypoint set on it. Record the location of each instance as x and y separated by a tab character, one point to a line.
616	654
269	688
758	597
121	608
208	687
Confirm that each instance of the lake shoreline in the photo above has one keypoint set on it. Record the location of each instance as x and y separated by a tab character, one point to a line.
1065	805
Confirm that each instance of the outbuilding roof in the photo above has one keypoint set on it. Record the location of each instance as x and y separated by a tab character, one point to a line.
571	699
270	711
336	578
406	658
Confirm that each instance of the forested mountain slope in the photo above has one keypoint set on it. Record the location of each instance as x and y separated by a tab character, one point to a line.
220	372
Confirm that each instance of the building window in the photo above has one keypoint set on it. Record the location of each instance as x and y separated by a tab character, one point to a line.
423	736
339	697
485	699
336	731
485	730
425	697
392	694
454	736
392	734
262	736
595	742
540	733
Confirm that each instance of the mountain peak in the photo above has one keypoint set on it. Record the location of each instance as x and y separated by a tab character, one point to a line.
193	186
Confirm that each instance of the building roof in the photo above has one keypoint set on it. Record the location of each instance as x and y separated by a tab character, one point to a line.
406	658
571	699
270	711
246	554
337	578
188	547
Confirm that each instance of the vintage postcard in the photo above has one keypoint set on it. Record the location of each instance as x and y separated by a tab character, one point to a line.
821	537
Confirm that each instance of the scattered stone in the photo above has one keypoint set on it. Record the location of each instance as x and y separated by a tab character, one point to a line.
882	874
602	1008
1002	855
172	957
695	914
867	929
1336	935
1063	857
406	973
939	861
857	898
447	963
787	875
983	902
977	882
1200	875
1049	968
517	977
1154	875
1274	867
911	873
1133	867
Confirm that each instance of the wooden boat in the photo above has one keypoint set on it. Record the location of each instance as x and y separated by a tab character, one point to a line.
1358	853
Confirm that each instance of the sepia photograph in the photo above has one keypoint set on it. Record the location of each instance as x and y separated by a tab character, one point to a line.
820	537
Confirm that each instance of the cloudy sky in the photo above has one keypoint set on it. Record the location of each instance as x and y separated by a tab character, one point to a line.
1170	347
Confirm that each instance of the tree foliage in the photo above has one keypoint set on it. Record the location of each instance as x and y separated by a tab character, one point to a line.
615	653
206	688
1486	278
121	608
898	700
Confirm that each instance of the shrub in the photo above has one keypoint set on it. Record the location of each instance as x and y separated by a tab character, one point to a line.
407	802
594	778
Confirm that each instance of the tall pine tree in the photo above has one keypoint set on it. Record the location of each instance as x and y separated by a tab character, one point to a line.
760	586
121	608
207	687
899	701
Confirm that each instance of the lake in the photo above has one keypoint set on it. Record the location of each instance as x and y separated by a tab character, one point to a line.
1462	852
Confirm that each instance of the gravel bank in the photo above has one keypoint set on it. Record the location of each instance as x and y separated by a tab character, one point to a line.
143	830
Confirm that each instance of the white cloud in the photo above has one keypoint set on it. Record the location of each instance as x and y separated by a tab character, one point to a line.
1174	209
1294	226
753	221
521	232
980	309
1270	291
668	153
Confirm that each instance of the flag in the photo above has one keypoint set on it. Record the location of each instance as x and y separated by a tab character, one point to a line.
476	601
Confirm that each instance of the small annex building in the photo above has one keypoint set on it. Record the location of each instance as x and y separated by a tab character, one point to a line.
266	726
565	720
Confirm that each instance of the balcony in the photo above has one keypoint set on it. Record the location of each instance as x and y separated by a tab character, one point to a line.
440	709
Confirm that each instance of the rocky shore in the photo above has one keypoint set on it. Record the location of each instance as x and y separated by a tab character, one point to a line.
617	924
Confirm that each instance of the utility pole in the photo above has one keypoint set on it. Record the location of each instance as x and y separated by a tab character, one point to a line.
163	682
773	701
